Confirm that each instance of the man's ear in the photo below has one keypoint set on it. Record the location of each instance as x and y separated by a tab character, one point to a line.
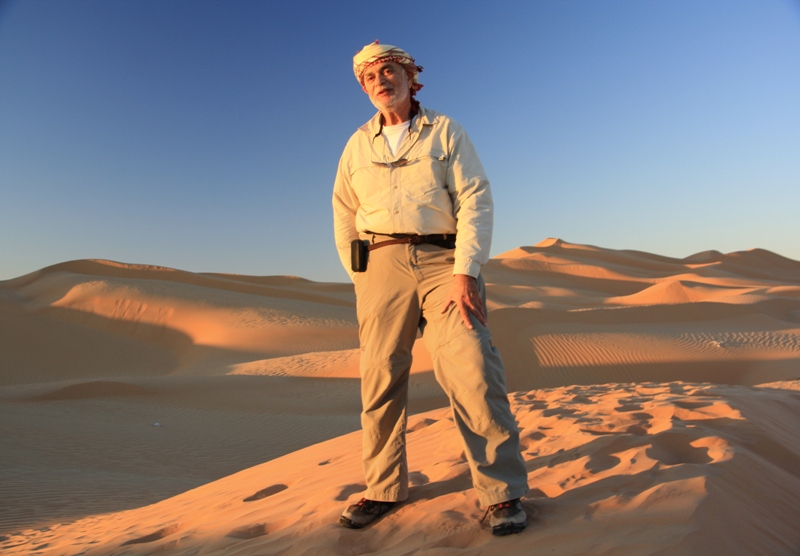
363	88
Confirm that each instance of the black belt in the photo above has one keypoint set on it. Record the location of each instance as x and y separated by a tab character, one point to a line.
448	241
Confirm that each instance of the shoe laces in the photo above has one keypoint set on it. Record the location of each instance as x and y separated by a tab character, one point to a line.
365	502
369	505
500	506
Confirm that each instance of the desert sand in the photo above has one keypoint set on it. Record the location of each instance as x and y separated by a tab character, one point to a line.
150	410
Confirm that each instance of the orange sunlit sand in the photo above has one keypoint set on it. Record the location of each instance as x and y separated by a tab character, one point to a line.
145	409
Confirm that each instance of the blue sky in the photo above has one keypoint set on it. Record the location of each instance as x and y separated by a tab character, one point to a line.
204	135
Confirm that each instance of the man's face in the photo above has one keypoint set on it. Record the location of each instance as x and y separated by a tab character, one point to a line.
387	85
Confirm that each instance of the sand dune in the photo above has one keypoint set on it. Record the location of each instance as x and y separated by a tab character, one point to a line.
617	469
123	387
162	321
577	314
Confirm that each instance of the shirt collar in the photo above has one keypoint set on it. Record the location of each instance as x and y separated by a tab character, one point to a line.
375	124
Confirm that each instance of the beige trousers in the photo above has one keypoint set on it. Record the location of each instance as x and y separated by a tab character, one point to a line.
403	290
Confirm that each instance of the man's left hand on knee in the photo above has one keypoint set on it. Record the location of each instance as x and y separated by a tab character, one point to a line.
466	296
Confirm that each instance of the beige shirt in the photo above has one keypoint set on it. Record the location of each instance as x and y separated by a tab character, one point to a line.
435	184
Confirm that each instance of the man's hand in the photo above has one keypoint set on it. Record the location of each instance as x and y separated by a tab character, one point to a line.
466	297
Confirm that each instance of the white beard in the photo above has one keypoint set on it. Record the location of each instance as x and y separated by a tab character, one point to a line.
401	94
397	98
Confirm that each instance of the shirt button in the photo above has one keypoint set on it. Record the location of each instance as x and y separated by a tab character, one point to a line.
396	211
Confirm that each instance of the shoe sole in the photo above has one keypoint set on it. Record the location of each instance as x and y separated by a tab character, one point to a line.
343	521
508	529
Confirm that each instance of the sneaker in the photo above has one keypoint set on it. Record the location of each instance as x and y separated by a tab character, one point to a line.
507	517
364	512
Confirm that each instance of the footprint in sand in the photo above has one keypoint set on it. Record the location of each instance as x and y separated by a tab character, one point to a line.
560	411
604	458
349	490
418	479
671	448
420	425
637	430
269	491
156	536
455	529
528	441
249	531
691	405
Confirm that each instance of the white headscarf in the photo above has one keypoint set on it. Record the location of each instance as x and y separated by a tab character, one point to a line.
374	53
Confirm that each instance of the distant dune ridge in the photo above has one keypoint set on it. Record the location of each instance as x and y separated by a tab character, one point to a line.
145	409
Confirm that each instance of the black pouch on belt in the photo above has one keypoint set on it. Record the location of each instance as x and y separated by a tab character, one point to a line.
358	255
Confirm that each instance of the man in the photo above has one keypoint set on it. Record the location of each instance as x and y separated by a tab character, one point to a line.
411	193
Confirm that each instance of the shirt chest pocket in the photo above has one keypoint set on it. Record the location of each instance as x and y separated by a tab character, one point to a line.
371	184
423	178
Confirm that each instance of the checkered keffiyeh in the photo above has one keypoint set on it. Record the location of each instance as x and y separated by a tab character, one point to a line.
375	52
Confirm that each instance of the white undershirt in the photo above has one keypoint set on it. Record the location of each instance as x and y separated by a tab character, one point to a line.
395	134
